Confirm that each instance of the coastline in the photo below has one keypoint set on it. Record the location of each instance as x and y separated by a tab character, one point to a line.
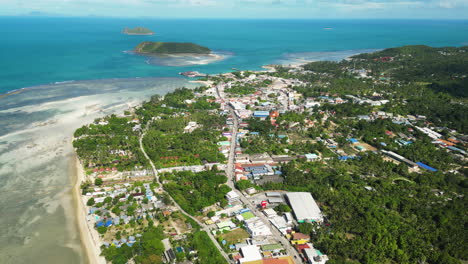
89	239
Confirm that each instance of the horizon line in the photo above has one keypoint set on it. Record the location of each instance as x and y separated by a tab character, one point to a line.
222	18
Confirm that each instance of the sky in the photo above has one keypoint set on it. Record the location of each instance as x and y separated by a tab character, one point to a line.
310	9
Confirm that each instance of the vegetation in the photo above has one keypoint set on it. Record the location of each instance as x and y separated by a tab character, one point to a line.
241	90
149	249
207	251
149	47
195	191
138	31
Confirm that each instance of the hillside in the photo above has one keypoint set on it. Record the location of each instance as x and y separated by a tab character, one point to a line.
149	47
445	69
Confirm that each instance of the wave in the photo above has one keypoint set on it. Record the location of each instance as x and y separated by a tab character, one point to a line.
180	60
64	82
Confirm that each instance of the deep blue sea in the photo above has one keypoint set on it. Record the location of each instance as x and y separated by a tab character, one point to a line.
40	50
38	219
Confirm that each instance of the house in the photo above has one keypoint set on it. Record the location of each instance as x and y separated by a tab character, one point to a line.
256	227
312	157
269	213
227	225
364	117
299	238
250	190
191	126
260	158
242	158
232	196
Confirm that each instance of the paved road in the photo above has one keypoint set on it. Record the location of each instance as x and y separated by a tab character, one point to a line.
203	225
231	179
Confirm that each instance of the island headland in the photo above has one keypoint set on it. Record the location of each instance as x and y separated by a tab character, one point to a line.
170	48
137	31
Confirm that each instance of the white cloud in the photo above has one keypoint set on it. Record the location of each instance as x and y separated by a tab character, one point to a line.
363	5
452	3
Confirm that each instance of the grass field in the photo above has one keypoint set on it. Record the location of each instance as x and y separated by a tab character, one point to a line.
236	236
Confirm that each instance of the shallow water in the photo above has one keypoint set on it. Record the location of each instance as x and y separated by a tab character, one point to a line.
37	224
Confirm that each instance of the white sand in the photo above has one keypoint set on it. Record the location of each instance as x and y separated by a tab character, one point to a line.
89	236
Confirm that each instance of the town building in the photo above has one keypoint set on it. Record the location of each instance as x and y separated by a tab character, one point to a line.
304	207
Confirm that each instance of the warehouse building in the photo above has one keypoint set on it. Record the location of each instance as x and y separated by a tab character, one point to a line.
304	206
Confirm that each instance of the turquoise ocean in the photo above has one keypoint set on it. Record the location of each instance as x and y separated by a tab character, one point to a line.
37	51
79	69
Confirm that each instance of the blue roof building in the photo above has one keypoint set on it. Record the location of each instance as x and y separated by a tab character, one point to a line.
261	114
427	167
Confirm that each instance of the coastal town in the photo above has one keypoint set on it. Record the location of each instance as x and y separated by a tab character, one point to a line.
233	171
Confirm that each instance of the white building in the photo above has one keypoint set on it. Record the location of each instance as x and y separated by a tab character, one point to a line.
191	126
430	133
256	227
314	256
304	206
280	223
269	213
250	253
232	196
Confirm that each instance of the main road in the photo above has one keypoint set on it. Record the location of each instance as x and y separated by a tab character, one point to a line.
231	179
203	225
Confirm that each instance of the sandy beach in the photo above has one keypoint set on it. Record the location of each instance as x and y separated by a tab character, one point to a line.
89	237
203	83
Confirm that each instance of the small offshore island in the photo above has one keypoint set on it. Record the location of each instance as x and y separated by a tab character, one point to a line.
167	48
176	53
137	31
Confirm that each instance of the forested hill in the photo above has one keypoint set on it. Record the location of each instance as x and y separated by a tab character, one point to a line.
445	69
149	47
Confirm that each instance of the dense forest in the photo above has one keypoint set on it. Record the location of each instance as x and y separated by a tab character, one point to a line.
195	191
398	218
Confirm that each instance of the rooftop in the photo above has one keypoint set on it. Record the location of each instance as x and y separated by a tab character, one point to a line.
304	206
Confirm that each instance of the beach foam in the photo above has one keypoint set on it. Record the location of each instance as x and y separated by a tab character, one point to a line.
187	59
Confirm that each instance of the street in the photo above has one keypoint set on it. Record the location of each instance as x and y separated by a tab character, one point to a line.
231	183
